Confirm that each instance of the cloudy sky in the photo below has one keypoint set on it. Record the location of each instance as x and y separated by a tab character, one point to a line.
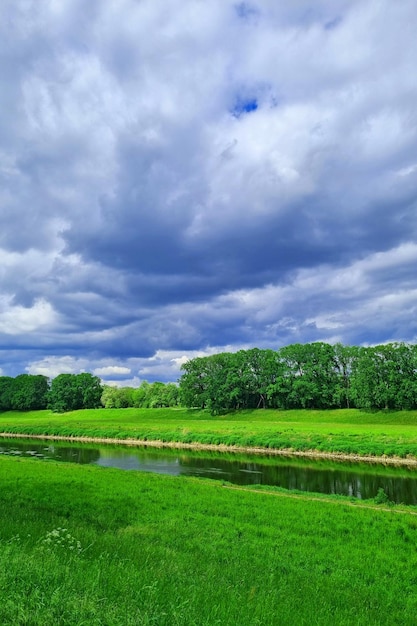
183	177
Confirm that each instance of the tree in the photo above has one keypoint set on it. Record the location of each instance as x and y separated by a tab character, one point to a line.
193	383
117	397
90	389
70	392
310	375
345	360
6	392
161	395
141	395
260	371
148	395
171	394
29	392
384	377
314	376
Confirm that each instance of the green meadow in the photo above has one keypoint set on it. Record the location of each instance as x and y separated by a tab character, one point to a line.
92	546
84	545
348	431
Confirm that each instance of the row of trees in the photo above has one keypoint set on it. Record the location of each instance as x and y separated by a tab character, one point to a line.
66	392
147	396
315	375
69	392
23	393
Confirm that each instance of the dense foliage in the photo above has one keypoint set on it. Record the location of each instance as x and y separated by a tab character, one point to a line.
70	392
23	393
310	376
66	392
299	376
155	395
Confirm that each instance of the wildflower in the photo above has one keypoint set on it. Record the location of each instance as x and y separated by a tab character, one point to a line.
62	539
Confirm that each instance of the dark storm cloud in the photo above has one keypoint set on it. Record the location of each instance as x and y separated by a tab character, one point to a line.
178	178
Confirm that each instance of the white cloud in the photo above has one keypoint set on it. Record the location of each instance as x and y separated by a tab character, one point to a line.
110	370
52	366
125	382
407	171
19	320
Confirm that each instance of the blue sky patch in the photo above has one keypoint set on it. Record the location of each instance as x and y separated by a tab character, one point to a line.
243	106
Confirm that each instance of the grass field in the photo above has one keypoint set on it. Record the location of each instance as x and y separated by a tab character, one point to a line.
93	546
348	431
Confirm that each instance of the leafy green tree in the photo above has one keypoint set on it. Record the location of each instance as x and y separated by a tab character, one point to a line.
384	377
6	392
345	360
70	392
321	369
148	395
162	395
171	394
90	389
218	394
29	392
207	383
64	394
229	381
155	395
407	365
259	374
235	381
117	397
316	375
107	397
141	395
310	375
194	383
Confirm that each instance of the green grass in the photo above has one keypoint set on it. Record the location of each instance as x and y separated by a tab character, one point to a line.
348	431
178	551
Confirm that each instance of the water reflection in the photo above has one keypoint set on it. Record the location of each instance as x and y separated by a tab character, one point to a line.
47	450
358	480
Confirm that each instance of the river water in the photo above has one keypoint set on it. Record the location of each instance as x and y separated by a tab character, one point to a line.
359	480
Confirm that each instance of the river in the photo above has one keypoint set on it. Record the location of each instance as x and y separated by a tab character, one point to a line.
358	480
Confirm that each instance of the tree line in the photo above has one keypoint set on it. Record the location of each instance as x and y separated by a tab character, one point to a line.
69	392
147	396
309	376
66	392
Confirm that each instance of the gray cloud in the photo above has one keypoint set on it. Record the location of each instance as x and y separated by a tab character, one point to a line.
184	177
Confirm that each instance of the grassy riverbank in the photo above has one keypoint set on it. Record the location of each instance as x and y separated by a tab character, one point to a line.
147	549
347	431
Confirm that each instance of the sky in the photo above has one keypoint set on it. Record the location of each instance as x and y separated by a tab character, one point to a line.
182	177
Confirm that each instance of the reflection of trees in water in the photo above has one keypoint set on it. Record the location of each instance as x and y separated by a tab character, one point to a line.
80	455
361	484
47	450
357	481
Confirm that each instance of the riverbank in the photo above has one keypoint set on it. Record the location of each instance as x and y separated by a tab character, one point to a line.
286	452
79	545
346	434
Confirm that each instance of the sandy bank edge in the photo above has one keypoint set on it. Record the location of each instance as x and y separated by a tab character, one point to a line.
315	454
